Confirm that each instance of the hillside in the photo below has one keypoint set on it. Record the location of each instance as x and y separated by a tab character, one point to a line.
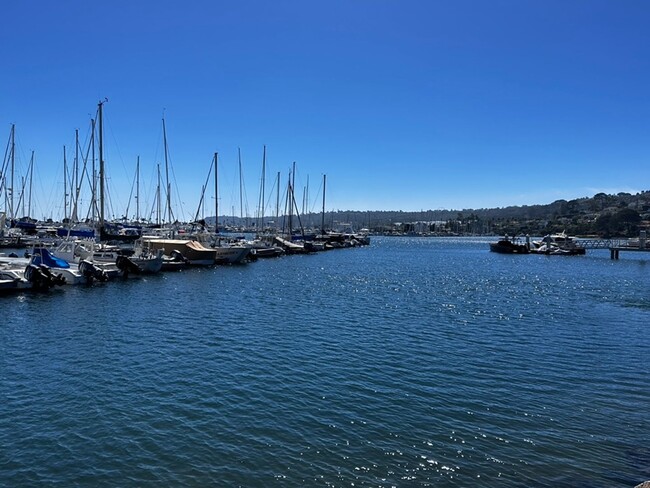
620	215
605	215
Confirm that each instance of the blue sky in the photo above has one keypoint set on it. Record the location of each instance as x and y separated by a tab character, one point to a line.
404	105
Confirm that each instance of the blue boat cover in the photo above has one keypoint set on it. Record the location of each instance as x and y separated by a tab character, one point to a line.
43	256
62	232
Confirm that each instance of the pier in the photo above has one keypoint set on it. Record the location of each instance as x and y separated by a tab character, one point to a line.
615	246
614	251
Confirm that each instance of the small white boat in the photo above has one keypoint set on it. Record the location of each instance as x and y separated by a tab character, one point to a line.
13	279
31	277
110	259
85	272
558	244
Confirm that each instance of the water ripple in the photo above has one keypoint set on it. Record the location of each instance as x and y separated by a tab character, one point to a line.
414	362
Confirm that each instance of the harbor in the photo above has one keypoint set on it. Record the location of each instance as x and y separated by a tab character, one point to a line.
38	264
324	244
83	250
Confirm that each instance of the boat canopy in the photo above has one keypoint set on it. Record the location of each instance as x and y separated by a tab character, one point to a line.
43	256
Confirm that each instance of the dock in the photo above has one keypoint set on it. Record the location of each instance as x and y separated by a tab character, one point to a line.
614	251
615	246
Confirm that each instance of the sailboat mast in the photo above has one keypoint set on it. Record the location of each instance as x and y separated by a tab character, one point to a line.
158	203
65	186
73	203
216	194
322	220
290	204
31	175
241	199
101	165
21	199
93	202
13	163
262	192
305	198
292	180
293	176
137	190
168	210
277	200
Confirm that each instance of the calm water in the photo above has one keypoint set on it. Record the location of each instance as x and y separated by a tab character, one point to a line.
412	362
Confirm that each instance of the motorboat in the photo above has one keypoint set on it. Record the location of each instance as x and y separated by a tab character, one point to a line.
509	245
85	272
195	252
558	244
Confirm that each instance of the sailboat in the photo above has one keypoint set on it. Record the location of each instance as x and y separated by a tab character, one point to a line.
110	231
292	244
262	247
226	252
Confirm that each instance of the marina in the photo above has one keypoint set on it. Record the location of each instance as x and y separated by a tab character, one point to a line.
73	261
325	244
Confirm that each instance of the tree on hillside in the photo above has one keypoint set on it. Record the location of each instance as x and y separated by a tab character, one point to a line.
623	222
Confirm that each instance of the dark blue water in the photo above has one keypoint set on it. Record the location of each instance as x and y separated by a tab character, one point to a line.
412	362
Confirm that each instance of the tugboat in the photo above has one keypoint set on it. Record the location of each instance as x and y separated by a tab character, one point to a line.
509	245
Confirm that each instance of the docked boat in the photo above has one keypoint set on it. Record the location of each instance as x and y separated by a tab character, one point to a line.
195	252
110	259
85	272
558	244
85	254
263	249
290	247
509	245
35	277
13	279
7	284
147	261
175	262
143	251
233	254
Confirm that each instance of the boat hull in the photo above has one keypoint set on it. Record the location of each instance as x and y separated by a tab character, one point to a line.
195	252
508	247
231	255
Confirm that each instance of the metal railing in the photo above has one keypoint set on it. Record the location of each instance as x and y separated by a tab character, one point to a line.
607	243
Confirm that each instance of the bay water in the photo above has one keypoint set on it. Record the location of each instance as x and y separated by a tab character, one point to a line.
411	362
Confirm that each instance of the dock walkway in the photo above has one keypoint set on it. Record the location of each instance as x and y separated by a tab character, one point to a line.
615	246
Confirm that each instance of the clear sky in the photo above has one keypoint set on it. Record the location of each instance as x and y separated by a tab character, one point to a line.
404	105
